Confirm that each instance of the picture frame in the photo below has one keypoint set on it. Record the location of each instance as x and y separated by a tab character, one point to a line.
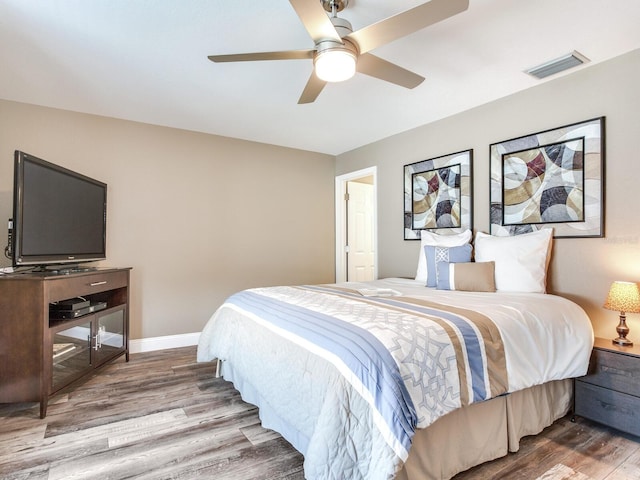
550	179
438	195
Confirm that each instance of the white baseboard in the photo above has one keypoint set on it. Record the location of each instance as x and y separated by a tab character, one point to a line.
161	343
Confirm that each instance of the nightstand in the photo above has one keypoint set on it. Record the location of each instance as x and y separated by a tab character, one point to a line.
610	392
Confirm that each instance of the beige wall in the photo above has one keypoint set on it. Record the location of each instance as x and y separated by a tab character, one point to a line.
197	216
581	269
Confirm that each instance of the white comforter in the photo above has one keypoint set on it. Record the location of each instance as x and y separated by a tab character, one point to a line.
309	394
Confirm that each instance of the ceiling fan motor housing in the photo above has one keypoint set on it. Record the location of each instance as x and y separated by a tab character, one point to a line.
331	45
344	28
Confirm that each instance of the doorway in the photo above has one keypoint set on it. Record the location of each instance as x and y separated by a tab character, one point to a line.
356	226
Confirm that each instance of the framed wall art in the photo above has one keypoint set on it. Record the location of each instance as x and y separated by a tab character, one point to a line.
438	195
552	179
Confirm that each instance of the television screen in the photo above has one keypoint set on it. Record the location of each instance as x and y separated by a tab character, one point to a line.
59	216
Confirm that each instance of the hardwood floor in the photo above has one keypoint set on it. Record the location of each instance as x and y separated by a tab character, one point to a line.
164	416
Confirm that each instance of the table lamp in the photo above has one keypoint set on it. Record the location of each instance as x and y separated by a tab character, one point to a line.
624	297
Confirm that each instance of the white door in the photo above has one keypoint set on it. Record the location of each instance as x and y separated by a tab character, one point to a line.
360	232
367	176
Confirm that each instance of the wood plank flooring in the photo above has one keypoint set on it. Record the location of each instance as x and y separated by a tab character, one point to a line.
164	416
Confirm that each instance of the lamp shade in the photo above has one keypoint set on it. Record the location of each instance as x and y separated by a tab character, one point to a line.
623	297
335	65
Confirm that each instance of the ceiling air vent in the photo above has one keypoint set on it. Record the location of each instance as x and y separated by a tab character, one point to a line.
565	62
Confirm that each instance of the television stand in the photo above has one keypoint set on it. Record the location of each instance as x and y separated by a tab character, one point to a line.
43	352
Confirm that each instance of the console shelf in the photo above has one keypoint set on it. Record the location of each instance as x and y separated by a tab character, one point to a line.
40	353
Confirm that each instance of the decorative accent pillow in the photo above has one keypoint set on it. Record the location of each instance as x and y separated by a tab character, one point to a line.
434	239
437	255
521	260
468	277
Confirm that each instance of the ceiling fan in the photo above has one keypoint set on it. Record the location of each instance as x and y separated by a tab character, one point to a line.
339	51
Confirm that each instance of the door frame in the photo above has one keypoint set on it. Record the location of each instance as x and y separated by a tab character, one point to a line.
341	219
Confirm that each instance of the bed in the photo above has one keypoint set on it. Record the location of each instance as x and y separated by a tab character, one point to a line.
392	379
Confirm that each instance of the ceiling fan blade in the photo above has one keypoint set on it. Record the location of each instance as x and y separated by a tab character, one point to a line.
405	23
252	57
390	72
312	90
315	20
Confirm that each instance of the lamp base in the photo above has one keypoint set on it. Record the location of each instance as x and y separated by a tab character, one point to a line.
623	342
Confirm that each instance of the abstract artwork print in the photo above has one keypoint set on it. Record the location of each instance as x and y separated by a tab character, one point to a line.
438	195
551	179
436	198
544	185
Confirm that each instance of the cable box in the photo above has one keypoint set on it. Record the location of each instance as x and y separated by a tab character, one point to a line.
70	304
67	314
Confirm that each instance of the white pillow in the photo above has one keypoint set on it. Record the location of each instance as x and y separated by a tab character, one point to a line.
436	240
521	260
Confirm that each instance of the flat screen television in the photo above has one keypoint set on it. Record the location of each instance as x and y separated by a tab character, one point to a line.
59	216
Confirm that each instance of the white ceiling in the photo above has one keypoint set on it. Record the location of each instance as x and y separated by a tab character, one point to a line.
146	60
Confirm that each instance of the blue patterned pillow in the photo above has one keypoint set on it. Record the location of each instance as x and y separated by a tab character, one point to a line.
436	255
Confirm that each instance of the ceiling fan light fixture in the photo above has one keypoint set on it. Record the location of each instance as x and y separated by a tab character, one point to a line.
336	63
339	50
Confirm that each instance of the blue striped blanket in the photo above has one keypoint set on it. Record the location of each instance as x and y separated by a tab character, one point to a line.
410	360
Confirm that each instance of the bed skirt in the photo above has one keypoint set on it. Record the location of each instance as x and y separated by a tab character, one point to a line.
484	431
